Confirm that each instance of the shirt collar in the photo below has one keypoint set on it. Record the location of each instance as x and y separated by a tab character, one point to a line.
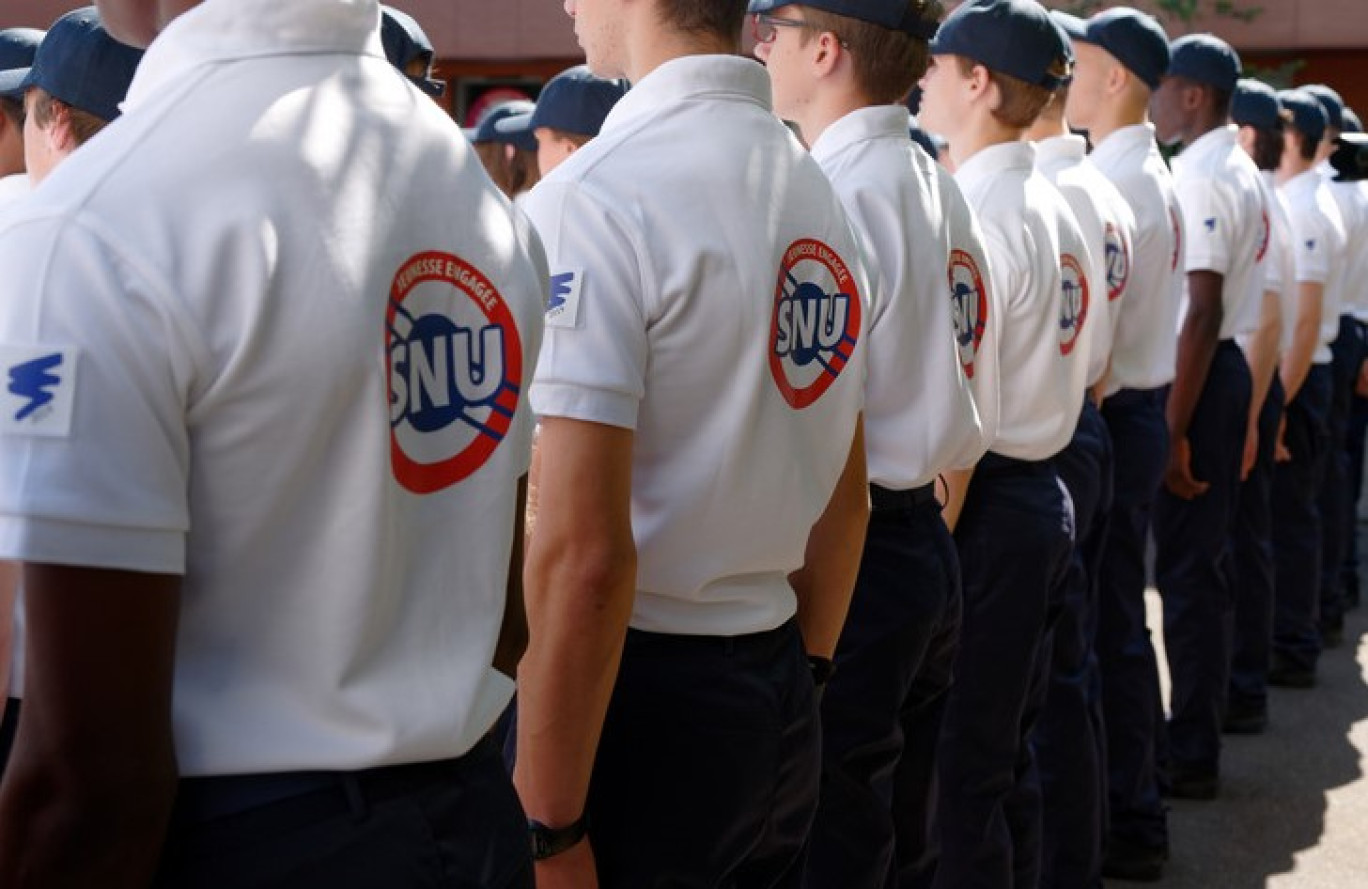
1213	141
687	77
995	159
1124	140
1307	180
219	30
863	125
1063	150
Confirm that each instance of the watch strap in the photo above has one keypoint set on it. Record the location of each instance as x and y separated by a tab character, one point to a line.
550	841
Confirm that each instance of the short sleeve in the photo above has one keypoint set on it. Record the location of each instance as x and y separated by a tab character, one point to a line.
594	349
1208	226
1311	246
94	448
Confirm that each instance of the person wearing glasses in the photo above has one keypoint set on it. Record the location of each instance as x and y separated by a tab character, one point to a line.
702	470
995	65
840	71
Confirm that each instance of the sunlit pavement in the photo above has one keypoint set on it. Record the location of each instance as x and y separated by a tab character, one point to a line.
1293	808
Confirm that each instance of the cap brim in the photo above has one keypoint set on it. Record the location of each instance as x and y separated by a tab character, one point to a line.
757	6
433	88
14	82
515	124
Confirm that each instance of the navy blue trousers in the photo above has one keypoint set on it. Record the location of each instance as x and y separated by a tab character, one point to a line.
884	705
708	767
1335	505
1194	568
1254	570
456	824
1297	548
1131	705
1014	538
1069	739
1357	434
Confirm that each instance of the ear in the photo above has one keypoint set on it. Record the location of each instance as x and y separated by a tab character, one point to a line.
57	133
827	53
1117	78
1193	97
979	86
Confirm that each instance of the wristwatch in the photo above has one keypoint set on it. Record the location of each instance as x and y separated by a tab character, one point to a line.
549	841
822	668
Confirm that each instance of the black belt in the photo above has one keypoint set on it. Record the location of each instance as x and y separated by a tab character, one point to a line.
883	499
200	799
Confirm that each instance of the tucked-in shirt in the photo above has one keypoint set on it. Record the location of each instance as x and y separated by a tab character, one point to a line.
707	293
272	331
930	308
1044	290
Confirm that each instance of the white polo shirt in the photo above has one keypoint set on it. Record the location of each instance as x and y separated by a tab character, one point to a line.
929	292
273	332
1044	287
1280	265
1361	278
1349	198
1318	249
12	188
1108	226
1225	224
1144	350
707	294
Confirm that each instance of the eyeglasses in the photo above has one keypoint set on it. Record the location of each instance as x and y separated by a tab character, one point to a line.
765	27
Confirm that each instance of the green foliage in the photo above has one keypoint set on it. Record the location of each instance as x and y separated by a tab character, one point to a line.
1278	76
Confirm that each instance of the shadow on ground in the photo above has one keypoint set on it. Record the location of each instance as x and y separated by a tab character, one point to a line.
1276	789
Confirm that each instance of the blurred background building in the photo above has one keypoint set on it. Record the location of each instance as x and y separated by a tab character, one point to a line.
491	50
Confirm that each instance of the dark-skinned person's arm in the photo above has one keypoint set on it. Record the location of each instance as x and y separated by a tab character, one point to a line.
89	788
1197	343
831	561
580	583
512	642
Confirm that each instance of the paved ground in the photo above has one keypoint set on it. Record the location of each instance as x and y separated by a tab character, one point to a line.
1293	812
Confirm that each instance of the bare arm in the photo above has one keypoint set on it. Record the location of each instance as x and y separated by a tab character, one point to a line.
88	792
9	582
1296	363
956	489
513	631
1196	347
835	545
580	582
1261	351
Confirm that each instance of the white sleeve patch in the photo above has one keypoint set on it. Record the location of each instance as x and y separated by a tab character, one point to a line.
562	310
39	390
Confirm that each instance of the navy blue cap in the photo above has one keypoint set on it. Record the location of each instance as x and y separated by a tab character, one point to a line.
574	101
1073	27
79	64
1205	59
1133	38
17	46
486	130
1307	114
1255	104
1350	123
896	15
1013	37
404	41
1330	100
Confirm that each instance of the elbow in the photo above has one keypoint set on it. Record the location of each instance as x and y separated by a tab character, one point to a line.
594	576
